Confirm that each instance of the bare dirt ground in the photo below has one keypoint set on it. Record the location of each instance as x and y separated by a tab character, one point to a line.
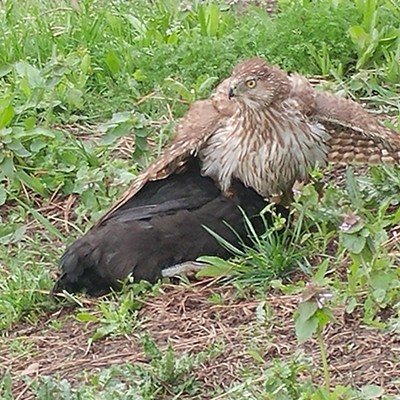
184	317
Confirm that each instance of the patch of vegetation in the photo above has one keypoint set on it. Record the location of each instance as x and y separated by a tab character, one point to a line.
89	93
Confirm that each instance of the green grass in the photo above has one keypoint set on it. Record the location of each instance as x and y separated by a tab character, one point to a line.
77	77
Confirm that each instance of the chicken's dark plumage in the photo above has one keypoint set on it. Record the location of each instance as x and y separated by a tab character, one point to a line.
161	226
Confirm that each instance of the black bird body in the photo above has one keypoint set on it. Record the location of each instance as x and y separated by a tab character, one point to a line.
161	226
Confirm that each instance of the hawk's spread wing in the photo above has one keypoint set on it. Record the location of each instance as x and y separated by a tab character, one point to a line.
355	134
192	132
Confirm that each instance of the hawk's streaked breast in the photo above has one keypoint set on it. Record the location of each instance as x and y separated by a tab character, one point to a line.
267	150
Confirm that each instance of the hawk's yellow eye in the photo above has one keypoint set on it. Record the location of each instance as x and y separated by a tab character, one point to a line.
251	83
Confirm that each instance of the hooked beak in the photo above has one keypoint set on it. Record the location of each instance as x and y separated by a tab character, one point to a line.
231	92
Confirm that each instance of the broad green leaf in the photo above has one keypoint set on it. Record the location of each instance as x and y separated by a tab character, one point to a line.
15	236
351	305
118	118
358	36
5	69
370	13
19	149
214	271
379	295
353	243
217	267
357	227
307	309
382	280
42	132
26	90
29	123
69	157
324	315
7	167
256	356
306	328
7	135
173	38
103	331
75	98
322	270
22	134
113	62
137	25
213	14
37	145
85	317
139	75
140	146
119	131
201	16
372	391
363	232
6	116
141	132
31	73
86	63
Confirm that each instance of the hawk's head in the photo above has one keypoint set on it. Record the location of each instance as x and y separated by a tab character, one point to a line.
254	83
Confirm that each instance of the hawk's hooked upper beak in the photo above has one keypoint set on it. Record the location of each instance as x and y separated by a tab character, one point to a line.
233	88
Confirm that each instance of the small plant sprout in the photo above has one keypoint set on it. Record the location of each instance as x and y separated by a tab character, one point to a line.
313	314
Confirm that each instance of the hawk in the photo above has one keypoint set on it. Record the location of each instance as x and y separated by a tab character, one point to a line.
267	129
260	132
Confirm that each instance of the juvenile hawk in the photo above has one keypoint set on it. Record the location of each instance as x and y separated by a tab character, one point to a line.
267	129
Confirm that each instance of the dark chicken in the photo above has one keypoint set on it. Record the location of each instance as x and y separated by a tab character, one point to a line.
158	230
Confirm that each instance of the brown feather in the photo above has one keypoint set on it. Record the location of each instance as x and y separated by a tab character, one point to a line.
192	131
356	135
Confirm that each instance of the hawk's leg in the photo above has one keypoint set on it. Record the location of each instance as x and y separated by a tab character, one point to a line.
229	193
284	198
318	185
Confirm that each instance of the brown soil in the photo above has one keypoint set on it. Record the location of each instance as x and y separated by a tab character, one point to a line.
184	317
